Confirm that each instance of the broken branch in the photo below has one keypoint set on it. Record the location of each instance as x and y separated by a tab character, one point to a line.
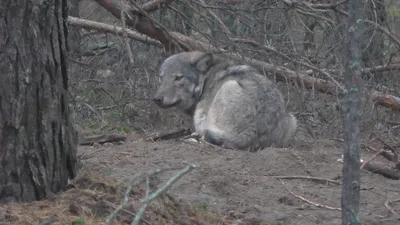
308	201
387	205
101	139
308	178
150	28
386	172
372	158
93	25
170	135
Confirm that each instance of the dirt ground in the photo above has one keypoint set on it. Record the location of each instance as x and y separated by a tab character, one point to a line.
242	184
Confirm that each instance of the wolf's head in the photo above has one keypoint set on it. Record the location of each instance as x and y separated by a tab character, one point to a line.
182	80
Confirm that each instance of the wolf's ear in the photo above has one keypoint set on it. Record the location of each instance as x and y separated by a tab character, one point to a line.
204	62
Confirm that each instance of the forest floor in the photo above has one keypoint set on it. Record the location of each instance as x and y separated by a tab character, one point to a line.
228	187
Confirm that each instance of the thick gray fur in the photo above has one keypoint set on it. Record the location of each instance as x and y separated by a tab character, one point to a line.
233	106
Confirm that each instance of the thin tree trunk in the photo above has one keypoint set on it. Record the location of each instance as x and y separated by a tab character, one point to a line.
352	101
37	140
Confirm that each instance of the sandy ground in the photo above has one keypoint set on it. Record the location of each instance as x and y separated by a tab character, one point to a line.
242	183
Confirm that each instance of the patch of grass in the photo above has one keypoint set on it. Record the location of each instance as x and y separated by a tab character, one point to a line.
79	221
202	207
91	198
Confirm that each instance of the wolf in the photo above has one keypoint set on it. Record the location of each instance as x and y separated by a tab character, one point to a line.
233	106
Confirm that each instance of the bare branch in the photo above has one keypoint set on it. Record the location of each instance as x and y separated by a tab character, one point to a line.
295	3
149	199
150	28
309	178
93	25
308	201
372	158
387	205
379	69
136	181
155	5
385	31
271	49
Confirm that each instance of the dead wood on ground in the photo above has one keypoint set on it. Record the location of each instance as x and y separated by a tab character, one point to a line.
384	171
102	138
169	135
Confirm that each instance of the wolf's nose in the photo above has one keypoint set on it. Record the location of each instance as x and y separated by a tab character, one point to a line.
158	99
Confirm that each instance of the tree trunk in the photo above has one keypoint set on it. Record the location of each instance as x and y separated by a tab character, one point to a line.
37	140
352	102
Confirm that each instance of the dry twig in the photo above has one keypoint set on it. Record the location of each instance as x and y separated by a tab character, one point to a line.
308	201
372	158
309	178
387	205
170	135
93	25
396	156
149	199
101	139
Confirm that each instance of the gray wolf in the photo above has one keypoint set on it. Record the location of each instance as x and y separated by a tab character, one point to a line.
233	106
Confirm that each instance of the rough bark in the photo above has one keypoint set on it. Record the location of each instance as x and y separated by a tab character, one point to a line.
37	140
352	102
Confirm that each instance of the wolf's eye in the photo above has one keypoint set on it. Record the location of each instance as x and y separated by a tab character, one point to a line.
178	77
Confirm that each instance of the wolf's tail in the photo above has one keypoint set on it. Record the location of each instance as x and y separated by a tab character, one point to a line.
287	127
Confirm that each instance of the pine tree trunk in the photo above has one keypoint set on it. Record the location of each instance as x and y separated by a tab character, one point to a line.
37	140
351	118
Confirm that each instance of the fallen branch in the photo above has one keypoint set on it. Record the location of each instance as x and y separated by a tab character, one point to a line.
169	135
391	148
101	139
139	19
378	69
388	101
93	25
386	172
308	178
387	155
387	205
372	158
308	201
